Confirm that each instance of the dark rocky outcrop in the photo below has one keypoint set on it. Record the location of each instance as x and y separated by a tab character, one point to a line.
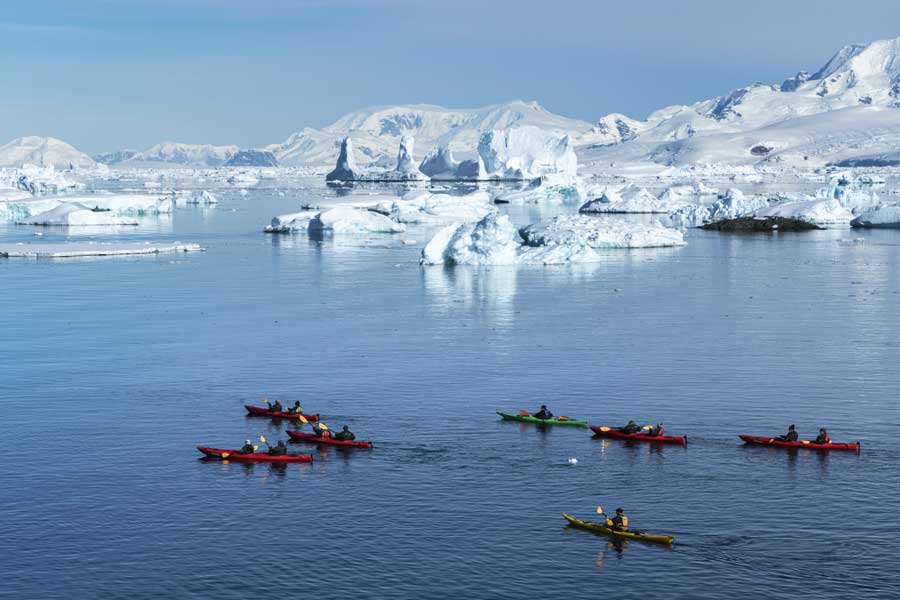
759	224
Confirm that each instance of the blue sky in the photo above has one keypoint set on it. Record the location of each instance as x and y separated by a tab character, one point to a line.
105	74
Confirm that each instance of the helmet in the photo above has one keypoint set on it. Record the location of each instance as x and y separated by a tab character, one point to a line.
620	511
247	442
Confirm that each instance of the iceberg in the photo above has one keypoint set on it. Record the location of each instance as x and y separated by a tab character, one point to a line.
854	197
440	165
572	239
15	210
124	204
429	208
243	179
349	220
76	249
345	169
526	153
818	212
202	197
73	214
732	205
886	217
600	233
40	181
291	223
13	194
631	199
405	170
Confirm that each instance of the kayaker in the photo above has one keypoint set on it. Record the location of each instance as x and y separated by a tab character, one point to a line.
247	448
823	438
296	409
277	407
791	435
345	435
543	413
656	431
631	427
278	449
619	522
320	430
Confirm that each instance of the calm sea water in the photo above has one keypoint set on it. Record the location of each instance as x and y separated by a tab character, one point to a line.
112	370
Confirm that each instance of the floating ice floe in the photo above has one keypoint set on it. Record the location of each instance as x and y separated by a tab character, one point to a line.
73	249
819	212
631	199
202	197
291	223
575	230
542	193
886	217
346	219
42	180
243	179
573	239
427	208
123	204
15	210
732	205
526	153
73	214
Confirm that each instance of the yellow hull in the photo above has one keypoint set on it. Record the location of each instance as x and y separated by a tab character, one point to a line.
630	535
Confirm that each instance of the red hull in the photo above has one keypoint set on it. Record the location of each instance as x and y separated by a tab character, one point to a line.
659	439
767	441
256	411
307	437
256	457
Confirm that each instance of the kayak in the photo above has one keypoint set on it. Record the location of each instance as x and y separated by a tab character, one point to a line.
530	419
223	454
612	432
257	411
767	441
630	535
308	437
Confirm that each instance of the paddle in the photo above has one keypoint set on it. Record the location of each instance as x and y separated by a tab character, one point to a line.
224	455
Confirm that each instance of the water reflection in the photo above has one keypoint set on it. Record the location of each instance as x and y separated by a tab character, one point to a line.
490	291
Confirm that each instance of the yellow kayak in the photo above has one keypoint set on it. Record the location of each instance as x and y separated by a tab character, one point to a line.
631	535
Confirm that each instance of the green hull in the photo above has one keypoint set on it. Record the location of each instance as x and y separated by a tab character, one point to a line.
628	535
530	419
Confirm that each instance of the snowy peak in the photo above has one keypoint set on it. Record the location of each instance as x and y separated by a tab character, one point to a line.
43	152
187	154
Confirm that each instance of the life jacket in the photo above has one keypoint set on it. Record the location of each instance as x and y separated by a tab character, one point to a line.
620	522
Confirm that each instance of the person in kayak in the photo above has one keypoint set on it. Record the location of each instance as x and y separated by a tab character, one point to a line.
823	438
278	449
543	413
296	409
345	435
631	427
657	430
247	448
320	430
791	435
619	522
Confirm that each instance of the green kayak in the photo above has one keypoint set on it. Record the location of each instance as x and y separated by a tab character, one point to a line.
530	419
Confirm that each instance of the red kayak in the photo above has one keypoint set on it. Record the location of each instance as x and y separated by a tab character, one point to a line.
257	411
308	437
612	432
222	454
767	441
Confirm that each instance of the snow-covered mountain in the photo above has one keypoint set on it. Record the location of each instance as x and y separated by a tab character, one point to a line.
376	132
847	110
177	154
43	152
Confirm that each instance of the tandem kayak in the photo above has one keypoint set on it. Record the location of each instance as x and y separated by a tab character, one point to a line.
257	411
612	432
223	454
629	535
308	437
530	419
767	441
